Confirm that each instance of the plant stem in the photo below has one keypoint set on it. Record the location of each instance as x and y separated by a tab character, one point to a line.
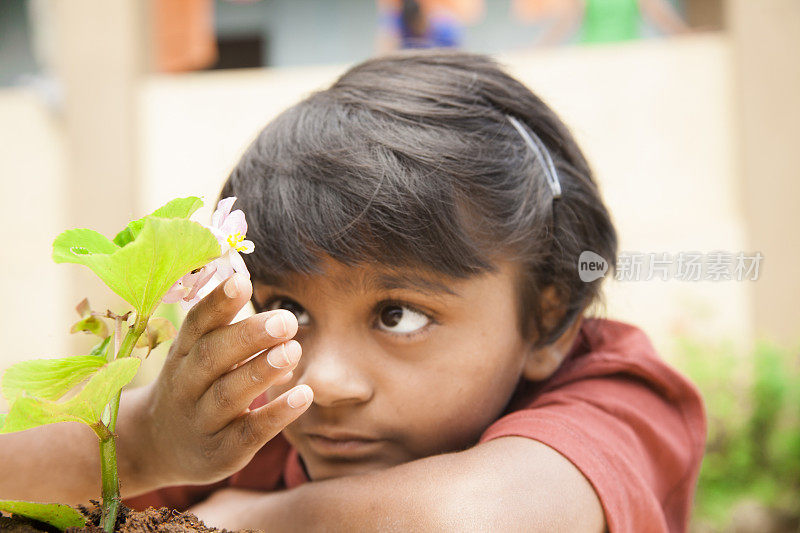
108	446
110	483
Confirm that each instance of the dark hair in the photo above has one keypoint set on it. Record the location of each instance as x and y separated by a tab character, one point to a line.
409	160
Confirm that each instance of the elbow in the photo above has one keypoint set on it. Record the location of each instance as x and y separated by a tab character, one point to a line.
494	511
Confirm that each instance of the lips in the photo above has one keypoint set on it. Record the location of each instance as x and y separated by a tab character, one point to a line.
339	443
339	435
343	448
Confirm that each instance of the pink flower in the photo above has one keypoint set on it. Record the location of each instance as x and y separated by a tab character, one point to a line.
229	228
187	289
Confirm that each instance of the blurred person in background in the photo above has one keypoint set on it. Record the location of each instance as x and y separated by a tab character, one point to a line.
183	35
598	21
424	23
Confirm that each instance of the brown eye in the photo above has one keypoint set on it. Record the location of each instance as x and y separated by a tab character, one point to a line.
290	305
402	319
391	315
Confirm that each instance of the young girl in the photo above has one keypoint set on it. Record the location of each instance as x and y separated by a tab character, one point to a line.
417	228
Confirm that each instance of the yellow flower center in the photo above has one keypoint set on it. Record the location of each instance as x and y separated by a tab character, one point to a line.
234	240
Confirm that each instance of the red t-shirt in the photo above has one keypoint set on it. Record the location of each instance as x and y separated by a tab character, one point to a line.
631	424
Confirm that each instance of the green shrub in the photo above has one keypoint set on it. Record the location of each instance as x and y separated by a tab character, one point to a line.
753	409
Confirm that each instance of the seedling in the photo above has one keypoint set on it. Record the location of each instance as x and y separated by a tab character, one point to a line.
161	257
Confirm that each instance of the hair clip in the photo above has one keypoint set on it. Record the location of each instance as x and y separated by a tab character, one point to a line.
540	151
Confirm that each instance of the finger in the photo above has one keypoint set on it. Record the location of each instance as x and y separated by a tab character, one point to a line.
232	393
216	352
254	429
217	309
285	379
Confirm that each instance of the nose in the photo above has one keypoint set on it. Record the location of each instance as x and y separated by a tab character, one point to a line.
334	373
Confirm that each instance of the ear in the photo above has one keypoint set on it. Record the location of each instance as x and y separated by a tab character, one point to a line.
540	363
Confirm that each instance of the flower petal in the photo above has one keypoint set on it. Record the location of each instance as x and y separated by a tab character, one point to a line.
189	279
235	223
224	267
221	237
208	272
221	213
205	274
188	304
246	247
174	294
238	263
208	288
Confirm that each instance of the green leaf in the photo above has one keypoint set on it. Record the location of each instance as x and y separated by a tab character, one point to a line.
143	270
86	407
91	324
81	243
101	348
2	421
49	379
130	232
177	208
56	514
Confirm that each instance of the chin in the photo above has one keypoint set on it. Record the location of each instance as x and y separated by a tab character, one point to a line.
322	469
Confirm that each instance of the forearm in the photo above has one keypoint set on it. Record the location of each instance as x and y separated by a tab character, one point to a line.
492	487
350	504
394	499
51	463
61	462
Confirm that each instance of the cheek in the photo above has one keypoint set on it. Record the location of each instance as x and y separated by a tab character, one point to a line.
480	358
456	399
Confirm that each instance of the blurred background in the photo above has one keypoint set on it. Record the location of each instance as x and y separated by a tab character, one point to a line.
688	111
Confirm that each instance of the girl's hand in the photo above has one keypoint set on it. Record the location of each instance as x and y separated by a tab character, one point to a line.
196	422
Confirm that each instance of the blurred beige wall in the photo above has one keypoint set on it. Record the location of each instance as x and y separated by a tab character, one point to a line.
35	313
765	46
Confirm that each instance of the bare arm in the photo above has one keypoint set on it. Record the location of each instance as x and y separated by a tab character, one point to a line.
61	462
495	486
192	425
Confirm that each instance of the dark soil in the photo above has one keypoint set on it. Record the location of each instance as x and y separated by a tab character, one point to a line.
150	520
20	524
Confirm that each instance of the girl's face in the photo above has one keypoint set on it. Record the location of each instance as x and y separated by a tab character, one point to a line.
420	364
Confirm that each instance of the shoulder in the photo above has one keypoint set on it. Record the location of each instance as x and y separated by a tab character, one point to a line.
632	425
613	349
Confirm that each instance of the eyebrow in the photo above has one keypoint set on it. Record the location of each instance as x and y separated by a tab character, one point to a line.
377	281
409	280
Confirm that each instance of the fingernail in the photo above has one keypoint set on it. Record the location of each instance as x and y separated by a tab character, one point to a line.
299	397
284	354
276	326
231	288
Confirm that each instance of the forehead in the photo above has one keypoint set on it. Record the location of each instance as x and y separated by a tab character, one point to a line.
366	279
369	278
